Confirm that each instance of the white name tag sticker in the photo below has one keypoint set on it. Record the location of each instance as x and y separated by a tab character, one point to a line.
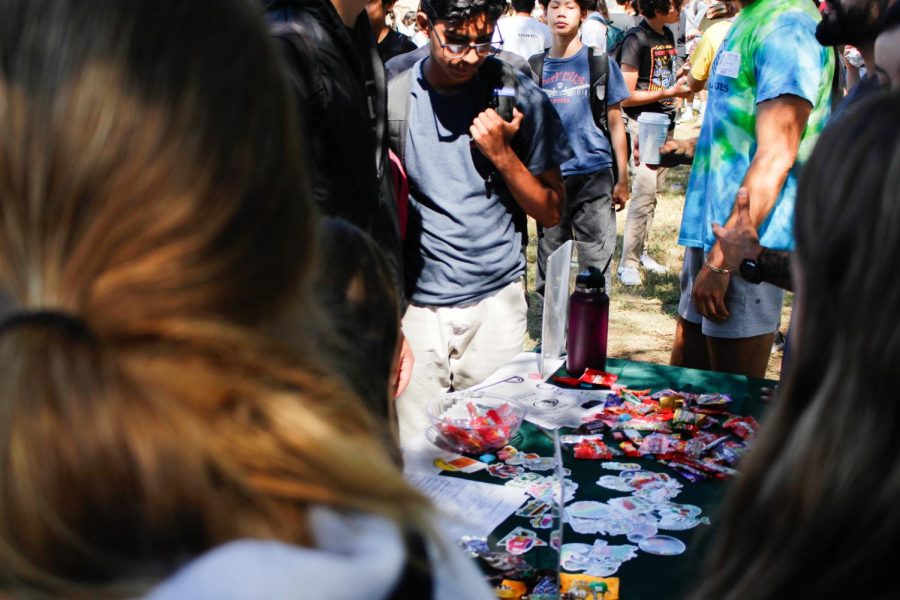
729	64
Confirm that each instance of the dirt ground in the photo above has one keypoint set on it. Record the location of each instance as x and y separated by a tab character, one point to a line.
642	319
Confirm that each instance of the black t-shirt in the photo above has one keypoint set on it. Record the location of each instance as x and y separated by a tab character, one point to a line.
393	44
653	54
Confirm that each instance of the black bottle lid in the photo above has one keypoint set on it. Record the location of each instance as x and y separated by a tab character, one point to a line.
590	280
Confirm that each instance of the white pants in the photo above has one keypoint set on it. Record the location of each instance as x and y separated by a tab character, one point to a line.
456	347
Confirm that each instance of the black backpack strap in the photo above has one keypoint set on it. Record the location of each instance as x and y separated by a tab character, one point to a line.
537	65
636	31
598	65
398	100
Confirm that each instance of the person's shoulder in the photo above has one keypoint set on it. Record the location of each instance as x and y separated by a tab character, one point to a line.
317	20
639	34
718	29
789	17
403	62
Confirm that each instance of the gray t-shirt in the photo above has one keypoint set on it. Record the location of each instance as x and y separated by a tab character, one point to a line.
464	235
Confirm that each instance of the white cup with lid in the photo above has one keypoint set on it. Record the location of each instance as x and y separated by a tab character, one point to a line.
653	129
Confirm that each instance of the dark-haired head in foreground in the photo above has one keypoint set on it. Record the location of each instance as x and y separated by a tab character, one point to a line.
814	509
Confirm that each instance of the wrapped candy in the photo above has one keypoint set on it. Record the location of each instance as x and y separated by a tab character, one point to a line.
592	449
743	427
597	377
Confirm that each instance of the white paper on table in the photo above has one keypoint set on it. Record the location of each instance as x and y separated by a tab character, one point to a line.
468	507
419	455
548	406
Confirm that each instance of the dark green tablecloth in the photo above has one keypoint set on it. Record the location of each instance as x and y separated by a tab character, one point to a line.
646	576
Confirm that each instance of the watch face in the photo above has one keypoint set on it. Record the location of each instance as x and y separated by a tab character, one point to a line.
750	271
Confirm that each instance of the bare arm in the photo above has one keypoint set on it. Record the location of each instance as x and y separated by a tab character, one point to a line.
695	85
779	126
540	196
641	97
742	241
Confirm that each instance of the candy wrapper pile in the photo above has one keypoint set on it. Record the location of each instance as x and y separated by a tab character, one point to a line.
694	435
673	427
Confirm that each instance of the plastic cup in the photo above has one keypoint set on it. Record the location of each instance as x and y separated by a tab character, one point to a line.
652	131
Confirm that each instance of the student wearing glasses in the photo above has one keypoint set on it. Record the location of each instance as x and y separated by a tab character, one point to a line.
473	177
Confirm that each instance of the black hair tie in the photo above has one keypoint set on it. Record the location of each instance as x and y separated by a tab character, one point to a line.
72	325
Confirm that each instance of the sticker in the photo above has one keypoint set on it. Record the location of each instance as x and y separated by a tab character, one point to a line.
614	482
540	463
503	561
520	540
548	490
596	559
620	466
662	545
462	464
729	64
555	540
533	508
587	509
504	471
524	480
474	546
683	510
575	557
642	527
506	453
603	568
671	523
520	459
544	521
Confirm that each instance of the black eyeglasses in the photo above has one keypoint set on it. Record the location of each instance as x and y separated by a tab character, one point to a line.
460	50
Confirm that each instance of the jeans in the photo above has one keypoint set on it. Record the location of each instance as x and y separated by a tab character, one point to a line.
588	214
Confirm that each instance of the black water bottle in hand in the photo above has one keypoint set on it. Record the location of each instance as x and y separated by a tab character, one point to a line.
588	323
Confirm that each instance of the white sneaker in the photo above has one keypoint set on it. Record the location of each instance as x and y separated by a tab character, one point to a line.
629	276
651	265
686	117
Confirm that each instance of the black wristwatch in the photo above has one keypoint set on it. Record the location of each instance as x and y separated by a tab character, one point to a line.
750	272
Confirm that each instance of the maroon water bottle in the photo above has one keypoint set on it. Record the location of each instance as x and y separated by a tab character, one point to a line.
588	323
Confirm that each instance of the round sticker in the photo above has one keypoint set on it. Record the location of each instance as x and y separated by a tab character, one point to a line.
662	545
684	510
641	530
613	482
678	523
587	509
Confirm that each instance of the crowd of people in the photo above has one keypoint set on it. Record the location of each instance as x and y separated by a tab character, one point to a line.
240	253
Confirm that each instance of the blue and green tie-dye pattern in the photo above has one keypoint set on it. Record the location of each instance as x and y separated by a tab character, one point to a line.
770	51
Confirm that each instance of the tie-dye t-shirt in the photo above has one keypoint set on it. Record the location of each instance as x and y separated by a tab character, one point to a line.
770	51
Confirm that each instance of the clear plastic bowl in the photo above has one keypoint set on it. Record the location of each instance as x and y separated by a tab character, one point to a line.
475	422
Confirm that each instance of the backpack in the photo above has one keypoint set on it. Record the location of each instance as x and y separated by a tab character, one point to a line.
616	50
614	35
598	64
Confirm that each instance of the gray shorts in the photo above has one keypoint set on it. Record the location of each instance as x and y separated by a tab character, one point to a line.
755	309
